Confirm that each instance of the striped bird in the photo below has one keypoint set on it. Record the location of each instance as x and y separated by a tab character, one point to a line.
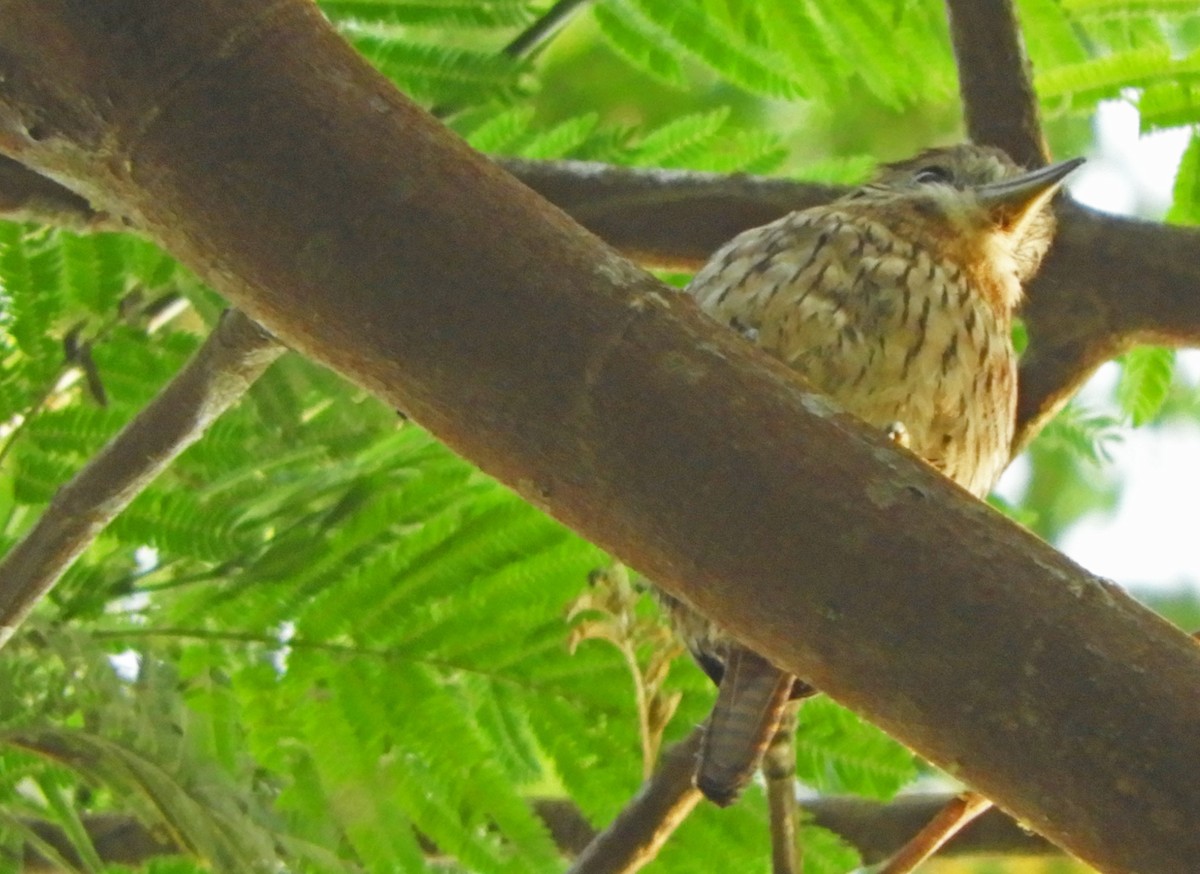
897	301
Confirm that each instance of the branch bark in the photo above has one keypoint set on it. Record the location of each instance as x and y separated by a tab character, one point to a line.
644	824
1000	107
245	138
235	354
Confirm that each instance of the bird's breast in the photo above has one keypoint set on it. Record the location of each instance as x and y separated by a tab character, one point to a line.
878	321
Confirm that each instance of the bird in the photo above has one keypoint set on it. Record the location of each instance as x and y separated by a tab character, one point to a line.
897	301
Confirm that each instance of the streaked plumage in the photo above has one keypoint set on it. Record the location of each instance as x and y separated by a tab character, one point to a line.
896	300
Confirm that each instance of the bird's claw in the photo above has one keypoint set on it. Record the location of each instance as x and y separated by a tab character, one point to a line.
897	433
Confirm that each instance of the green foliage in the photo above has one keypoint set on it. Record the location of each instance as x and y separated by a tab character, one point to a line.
1146	375
826	852
456	14
836	752
725	50
1070	476
637	39
1186	208
351	643
1081	434
439	73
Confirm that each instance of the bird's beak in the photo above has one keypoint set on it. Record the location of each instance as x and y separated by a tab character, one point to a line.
1013	199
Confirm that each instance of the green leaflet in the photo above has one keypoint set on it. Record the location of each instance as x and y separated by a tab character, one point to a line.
1146	374
1185	208
725	51
466	14
837	752
639	41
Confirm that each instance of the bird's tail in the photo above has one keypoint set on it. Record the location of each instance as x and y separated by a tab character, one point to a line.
750	702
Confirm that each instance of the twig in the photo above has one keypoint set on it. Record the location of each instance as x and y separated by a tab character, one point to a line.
234	356
999	104
779	771
533	38
527	43
640	829
950	820
878	830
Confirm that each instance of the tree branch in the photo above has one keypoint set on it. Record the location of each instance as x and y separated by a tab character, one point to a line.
534	37
234	355
1000	107
429	276
644	824
878	830
672	219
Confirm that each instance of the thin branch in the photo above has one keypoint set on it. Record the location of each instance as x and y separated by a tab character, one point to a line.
670	219
534	38
644	824
878	830
999	104
779	772
958	813
235	354
527	43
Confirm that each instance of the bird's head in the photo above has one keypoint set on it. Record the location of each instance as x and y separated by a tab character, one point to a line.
976	206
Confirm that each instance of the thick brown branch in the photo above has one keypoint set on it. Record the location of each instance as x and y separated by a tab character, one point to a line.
235	354
428	275
1110	284
673	219
1081	311
999	105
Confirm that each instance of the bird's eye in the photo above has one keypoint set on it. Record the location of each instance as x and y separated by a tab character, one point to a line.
931	175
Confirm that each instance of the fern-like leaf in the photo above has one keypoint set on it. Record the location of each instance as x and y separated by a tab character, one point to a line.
838	752
1166	105
1088	82
1124	8
826	852
441	73
1185	206
1146	374
751	67
636	39
685	137
1081	434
